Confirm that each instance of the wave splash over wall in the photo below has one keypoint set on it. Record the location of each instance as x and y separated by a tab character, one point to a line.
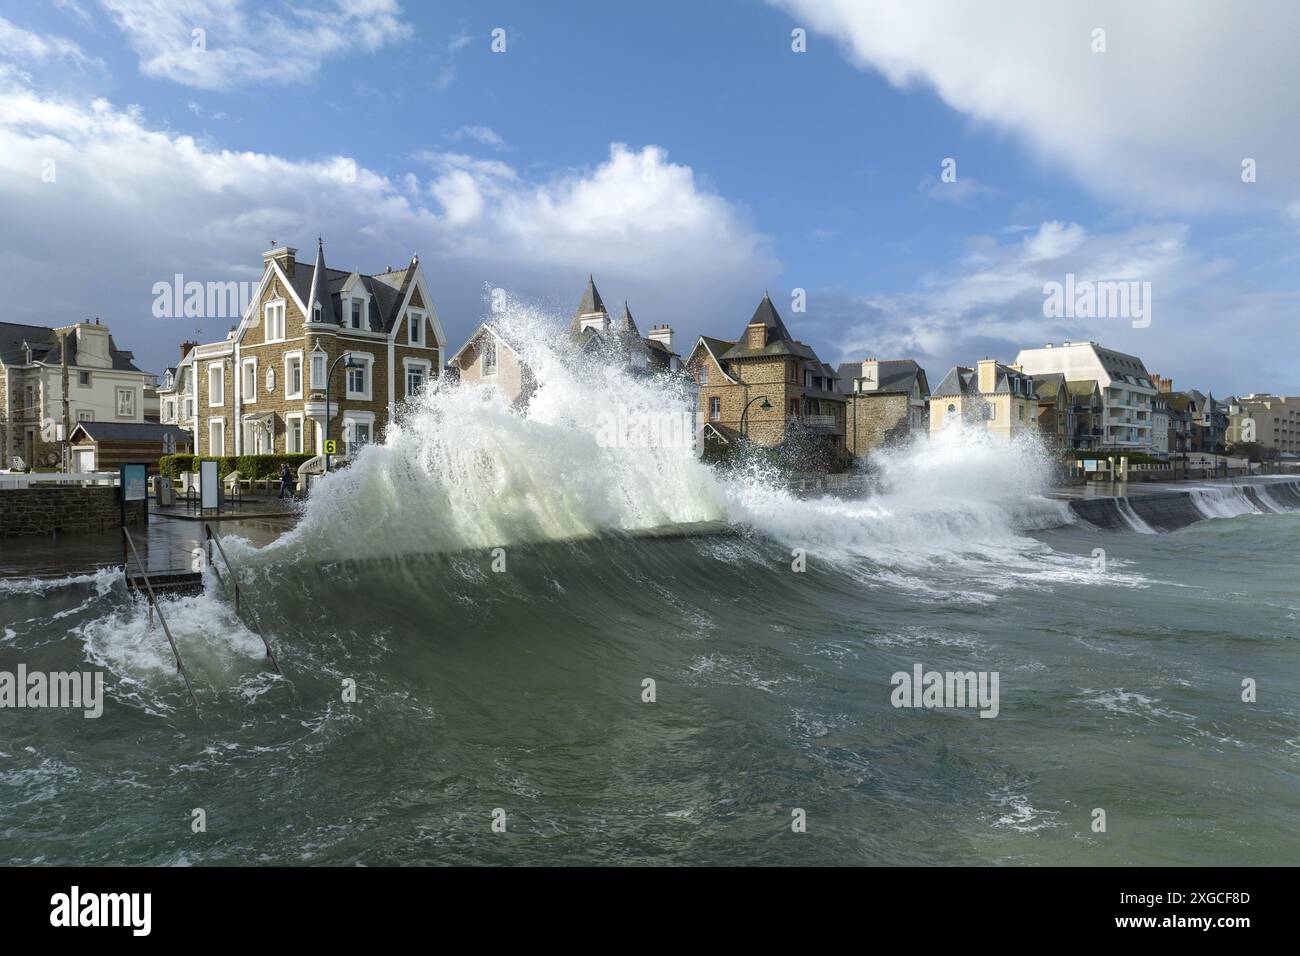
590	454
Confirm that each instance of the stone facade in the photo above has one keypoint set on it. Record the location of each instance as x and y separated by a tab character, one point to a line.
766	386
877	420
64	510
271	390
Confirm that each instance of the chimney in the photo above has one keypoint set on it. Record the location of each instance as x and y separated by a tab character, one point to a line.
870	375
988	375
185	349
662	333
755	336
283	256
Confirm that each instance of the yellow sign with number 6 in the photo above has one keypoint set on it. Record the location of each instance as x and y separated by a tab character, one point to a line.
331	446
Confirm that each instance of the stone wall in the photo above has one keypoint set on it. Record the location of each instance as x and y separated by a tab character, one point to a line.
875	419
63	510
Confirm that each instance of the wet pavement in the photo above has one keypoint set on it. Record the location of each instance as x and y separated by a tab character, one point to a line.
166	545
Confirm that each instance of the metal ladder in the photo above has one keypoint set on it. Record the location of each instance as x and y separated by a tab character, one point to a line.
155	606
234	578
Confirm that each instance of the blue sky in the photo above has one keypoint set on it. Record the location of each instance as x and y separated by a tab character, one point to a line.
685	155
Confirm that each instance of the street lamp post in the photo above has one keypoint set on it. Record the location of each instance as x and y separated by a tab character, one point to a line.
348	364
745	412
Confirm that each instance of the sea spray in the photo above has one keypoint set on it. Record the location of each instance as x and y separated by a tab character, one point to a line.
464	468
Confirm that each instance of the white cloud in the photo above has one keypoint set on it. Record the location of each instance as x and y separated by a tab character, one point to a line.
480	134
1163	118
139	203
23	45
241	44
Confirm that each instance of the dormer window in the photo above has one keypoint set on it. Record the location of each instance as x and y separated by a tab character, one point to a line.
275	321
358	310
316	312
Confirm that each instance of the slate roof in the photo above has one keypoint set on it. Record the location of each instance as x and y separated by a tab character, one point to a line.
387	291
132	431
896	375
777	339
956	383
591	304
45	347
1048	385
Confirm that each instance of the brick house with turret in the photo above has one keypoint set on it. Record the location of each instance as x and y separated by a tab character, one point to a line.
262	389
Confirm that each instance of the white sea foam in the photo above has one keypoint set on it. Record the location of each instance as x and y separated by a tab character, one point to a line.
102	580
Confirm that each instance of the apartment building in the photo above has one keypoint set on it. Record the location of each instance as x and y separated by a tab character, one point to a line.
887	402
52	378
263	388
767	387
1125	386
1271	420
1002	397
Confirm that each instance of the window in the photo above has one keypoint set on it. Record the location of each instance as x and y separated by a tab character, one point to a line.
316	312
126	403
250	380
358	431
85	415
359	378
952	409
171	410
415	327
217	436
83	378
358	312
275	321
414	380
360	437
317	369
293	434
216	385
293	375
489	356
189	408
715	408
704	374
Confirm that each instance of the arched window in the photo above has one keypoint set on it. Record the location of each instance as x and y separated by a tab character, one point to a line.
952	409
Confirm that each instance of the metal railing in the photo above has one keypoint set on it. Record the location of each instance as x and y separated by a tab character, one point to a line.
155	606
234	579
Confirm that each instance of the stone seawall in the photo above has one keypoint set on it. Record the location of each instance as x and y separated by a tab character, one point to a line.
63	509
1171	510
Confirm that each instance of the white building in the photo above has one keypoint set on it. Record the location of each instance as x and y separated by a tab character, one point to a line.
1127	393
46	389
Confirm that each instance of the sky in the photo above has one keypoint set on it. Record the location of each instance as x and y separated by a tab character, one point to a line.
904	179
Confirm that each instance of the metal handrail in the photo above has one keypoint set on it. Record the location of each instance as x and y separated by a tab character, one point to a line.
155	606
207	531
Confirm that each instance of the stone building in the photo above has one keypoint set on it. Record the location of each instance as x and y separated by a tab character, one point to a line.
766	387
262	389
887	402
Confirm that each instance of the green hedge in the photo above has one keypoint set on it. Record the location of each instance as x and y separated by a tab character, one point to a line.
248	466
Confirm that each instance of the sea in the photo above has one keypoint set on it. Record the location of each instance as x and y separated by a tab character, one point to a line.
538	636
